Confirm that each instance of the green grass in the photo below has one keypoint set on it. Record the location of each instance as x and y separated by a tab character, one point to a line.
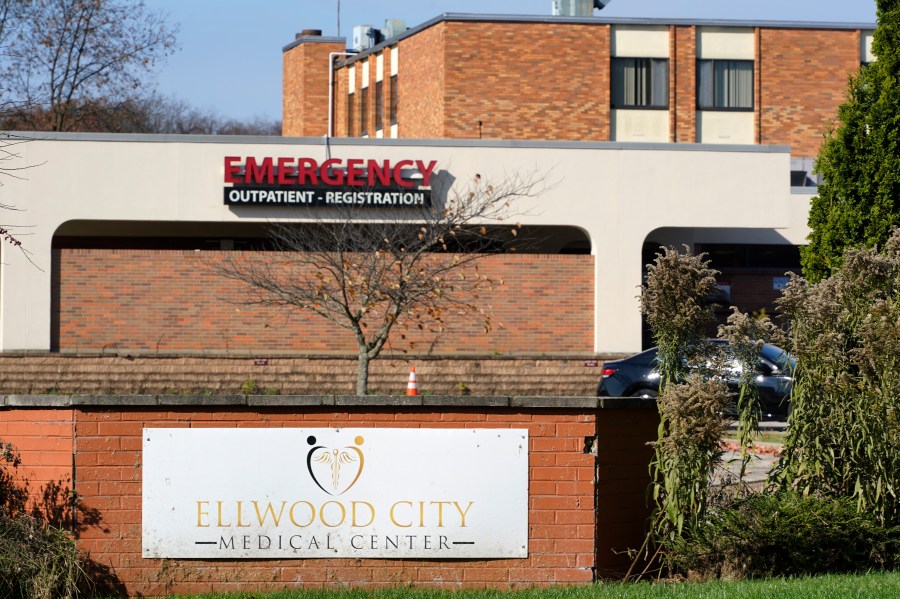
762	437
875	585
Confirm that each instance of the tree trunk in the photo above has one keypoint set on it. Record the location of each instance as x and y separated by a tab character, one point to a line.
362	373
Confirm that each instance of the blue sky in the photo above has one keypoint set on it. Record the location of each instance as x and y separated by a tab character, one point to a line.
229	57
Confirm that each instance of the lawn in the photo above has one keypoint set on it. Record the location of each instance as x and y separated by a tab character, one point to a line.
821	587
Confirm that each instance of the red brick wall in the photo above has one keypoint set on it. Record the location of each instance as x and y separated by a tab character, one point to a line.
148	373
421	74
802	81
623	455
305	88
751	288
170	300
560	526
576	528
551	81
527	81
683	84
44	439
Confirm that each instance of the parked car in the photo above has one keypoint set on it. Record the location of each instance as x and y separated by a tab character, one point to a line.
637	376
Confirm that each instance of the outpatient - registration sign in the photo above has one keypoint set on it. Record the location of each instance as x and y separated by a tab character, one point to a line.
364	493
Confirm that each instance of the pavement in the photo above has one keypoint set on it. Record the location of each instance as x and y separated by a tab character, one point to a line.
763	457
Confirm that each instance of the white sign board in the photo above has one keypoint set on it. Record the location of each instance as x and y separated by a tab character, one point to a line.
364	493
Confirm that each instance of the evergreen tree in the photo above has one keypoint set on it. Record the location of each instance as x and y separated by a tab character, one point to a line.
859	202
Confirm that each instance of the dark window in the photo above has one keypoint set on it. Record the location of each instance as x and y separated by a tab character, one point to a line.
640	83
364	111
725	84
351	109
727	255
393	109
379	105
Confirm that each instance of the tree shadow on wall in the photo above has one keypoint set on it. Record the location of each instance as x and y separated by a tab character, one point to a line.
39	532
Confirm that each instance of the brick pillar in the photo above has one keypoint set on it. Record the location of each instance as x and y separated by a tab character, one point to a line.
683	84
757	86
305	85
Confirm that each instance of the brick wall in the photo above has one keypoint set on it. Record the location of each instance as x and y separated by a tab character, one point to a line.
54	374
170	300
803	80
305	88
683	84
551	81
751	288
526	81
421	74
567	542
44	439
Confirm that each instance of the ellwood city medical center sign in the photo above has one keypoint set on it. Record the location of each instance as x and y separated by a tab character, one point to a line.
268	181
315	493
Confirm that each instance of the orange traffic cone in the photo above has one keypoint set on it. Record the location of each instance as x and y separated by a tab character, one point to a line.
411	385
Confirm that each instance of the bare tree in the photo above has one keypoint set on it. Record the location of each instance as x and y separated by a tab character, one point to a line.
10	234
370	274
72	57
160	114
151	113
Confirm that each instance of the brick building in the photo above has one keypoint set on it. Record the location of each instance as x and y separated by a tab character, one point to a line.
650	133
629	81
637	146
123	230
462	76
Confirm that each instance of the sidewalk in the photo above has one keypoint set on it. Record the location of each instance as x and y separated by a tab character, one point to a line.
763	456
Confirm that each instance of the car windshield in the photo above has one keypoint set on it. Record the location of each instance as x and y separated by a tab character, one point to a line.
771	353
779	357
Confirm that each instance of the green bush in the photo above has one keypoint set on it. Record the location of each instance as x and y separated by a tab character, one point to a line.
39	558
844	429
787	534
38	561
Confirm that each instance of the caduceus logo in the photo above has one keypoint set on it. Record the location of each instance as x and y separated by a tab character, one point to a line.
335	469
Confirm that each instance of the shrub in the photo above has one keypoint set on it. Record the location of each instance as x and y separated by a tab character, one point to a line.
38	561
844	433
787	534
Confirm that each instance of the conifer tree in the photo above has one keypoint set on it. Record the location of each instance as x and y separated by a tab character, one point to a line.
859	203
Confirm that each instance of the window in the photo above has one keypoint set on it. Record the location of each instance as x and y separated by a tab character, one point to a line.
393	109
364	111
379	105
351	108
640	83
725	84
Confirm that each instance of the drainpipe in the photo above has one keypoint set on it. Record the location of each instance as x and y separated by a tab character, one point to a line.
331	57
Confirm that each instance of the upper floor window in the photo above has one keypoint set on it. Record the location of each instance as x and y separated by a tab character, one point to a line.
379	105
725	84
640	82
394	95
364	112
351	111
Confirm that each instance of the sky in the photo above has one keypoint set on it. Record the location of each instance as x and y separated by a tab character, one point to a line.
229	51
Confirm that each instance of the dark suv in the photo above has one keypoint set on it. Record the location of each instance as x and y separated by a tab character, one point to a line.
637	376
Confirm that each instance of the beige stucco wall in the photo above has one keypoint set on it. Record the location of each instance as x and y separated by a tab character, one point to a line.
617	193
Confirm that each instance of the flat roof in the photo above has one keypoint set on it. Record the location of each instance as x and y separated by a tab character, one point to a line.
549	19
25	136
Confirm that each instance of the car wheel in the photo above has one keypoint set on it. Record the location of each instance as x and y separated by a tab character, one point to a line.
645	393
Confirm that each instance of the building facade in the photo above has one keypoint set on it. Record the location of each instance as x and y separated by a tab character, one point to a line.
631	81
643	134
461	76
122	231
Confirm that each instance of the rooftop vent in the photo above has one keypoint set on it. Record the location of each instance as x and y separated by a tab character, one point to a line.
577	8
365	37
309	33
393	28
